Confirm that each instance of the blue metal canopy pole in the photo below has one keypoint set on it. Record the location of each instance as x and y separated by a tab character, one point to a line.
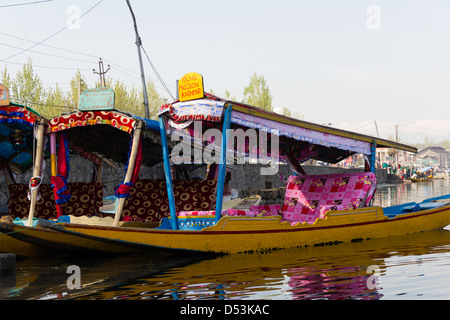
222	164
167	172
373	156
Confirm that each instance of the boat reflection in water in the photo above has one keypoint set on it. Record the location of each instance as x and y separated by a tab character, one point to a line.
406	267
359	270
383	268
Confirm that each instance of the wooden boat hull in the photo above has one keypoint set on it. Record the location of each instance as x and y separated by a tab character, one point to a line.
20	248
37	240
241	234
421	180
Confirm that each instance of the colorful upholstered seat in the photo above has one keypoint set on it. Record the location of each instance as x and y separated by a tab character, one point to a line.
310	197
86	200
149	202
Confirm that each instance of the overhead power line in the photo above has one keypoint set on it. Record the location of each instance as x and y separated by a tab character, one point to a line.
157	74
48	67
56	33
122	69
47	54
24	3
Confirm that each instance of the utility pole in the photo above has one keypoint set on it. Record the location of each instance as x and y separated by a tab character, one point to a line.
376	127
138	44
102	72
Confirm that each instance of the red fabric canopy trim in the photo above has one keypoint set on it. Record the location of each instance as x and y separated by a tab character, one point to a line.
82	119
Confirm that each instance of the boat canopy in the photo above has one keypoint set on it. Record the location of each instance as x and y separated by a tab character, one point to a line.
304	139
110	136
425	169
17	123
108	133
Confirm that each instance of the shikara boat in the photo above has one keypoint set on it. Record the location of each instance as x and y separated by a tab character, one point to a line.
316	209
98	136
22	132
423	175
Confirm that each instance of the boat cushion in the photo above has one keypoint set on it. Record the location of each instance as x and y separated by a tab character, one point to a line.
266	210
86	200
149	201
146	202
310	197
195	213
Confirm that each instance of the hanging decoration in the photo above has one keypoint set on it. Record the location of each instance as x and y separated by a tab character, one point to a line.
59	182
123	190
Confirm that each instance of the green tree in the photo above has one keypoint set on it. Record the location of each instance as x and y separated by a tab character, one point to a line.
257	93
154	99
136	102
55	102
5	78
120	96
27	88
229	96
77	85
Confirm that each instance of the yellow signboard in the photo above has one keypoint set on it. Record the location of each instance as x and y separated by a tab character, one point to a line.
190	87
4	96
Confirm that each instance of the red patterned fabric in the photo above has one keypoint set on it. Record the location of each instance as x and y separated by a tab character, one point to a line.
17	114
266	210
81	119
86	200
310	197
149	201
146	202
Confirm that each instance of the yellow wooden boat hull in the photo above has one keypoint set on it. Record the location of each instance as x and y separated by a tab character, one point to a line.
241	234
20	248
37	241
421	180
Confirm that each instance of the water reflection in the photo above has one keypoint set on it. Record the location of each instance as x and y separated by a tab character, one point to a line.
328	272
406	267
394	194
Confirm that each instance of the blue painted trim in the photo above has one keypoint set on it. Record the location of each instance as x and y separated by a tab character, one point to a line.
223	162
373	156
167	172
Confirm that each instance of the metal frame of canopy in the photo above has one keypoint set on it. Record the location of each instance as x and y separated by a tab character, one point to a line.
122	122
251	117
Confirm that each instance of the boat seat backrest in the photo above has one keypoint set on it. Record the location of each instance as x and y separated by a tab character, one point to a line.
309	197
149	202
86	200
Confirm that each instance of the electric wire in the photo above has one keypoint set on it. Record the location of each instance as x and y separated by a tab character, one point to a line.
157	74
48	67
122	69
48	54
56	33
24	3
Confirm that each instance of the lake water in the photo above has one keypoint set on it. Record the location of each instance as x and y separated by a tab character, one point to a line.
404	267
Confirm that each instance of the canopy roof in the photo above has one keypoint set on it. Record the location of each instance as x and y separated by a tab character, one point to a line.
330	144
16	136
109	134
425	169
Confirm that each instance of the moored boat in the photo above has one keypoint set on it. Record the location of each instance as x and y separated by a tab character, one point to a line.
423	175
22	134
316	209
99	137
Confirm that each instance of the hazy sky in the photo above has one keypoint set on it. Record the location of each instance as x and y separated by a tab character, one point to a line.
348	63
